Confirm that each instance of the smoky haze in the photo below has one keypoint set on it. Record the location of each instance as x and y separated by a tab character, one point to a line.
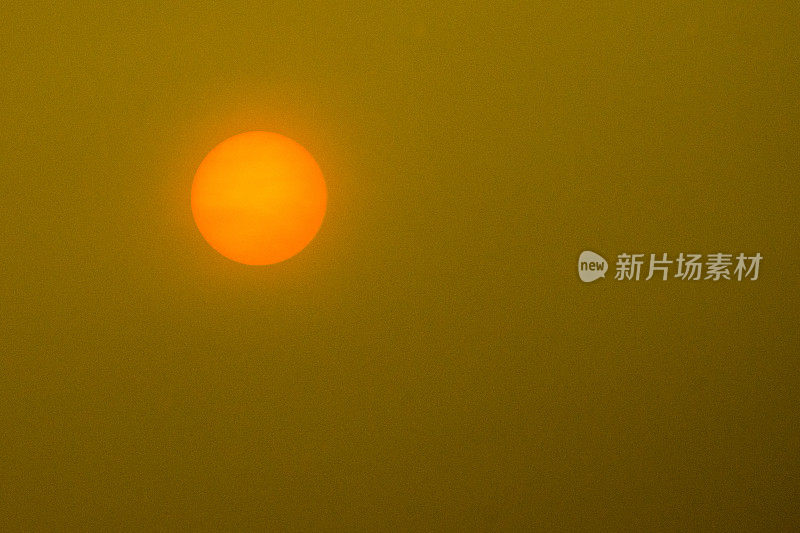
430	361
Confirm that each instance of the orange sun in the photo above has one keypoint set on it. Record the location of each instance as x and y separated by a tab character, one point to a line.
258	198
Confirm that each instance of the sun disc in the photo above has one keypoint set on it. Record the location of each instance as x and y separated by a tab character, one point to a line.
258	198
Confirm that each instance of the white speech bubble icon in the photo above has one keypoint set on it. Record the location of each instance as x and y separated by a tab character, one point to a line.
591	266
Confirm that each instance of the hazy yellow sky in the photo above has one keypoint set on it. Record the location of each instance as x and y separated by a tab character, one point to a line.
431	360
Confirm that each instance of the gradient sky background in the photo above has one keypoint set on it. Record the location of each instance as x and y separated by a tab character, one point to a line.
431	360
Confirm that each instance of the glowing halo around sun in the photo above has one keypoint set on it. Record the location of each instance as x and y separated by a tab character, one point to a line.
258	198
